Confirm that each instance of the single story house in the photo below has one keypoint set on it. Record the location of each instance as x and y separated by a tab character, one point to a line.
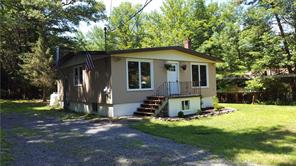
146	81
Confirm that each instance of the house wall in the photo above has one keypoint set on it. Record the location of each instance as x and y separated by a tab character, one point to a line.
175	106
119	101
119	79
185	75
96	87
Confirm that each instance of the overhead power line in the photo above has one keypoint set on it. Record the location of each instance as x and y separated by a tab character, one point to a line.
134	15
121	24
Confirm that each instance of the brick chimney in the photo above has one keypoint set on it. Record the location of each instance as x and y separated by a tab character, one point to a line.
187	43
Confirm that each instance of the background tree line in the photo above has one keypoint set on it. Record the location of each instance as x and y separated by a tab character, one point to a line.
30	31
253	37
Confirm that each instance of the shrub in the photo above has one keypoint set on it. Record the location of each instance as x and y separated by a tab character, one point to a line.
216	102
217	107
181	114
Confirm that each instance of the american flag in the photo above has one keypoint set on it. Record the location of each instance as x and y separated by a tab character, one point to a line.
89	62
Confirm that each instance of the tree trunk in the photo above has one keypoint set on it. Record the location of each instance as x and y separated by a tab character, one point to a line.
44	94
289	56
286	46
254	98
293	84
236	98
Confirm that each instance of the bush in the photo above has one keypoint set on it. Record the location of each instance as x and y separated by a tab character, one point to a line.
181	114
216	102
217	107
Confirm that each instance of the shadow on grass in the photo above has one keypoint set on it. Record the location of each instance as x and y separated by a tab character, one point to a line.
17	106
274	141
37	108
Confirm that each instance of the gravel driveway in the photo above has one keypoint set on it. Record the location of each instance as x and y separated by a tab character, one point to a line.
47	140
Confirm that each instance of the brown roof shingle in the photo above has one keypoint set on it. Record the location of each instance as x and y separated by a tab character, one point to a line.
109	53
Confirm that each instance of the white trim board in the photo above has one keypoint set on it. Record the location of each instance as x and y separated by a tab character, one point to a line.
127	109
169	55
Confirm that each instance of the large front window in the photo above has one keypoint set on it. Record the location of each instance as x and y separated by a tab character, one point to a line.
199	75
139	74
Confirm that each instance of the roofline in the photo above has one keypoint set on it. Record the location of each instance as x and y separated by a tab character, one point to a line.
178	48
109	53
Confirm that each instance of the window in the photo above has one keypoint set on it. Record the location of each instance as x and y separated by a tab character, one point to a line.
78	75
172	68
139	75
185	105
133	75
199	74
195	75
145	75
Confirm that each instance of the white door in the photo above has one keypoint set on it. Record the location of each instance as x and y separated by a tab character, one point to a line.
172	79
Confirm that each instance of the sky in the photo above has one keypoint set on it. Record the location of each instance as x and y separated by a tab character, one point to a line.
153	5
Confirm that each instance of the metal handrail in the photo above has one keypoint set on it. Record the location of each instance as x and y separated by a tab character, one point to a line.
180	88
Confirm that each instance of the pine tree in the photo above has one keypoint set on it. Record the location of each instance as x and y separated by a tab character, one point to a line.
38	66
20	20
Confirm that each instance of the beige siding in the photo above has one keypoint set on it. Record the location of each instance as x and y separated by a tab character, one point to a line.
205	92
119	79
95	83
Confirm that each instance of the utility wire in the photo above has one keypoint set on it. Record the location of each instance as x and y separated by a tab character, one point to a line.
121	24
134	15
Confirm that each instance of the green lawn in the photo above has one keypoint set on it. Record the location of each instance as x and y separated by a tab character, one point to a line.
37	108
258	134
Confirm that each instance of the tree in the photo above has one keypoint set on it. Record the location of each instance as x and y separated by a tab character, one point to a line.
93	40
284	19
226	41
21	24
125	31
37	66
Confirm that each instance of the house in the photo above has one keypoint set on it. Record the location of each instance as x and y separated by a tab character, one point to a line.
146	81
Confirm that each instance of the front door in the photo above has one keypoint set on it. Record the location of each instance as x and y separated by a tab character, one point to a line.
172	79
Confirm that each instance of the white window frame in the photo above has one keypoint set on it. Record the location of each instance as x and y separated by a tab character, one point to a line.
80	83
207	74
139	69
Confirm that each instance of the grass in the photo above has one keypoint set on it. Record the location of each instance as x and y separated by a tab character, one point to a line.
5	153
260	134
30	108
37	108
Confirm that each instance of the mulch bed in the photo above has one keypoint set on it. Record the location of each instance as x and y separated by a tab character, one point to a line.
205	113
